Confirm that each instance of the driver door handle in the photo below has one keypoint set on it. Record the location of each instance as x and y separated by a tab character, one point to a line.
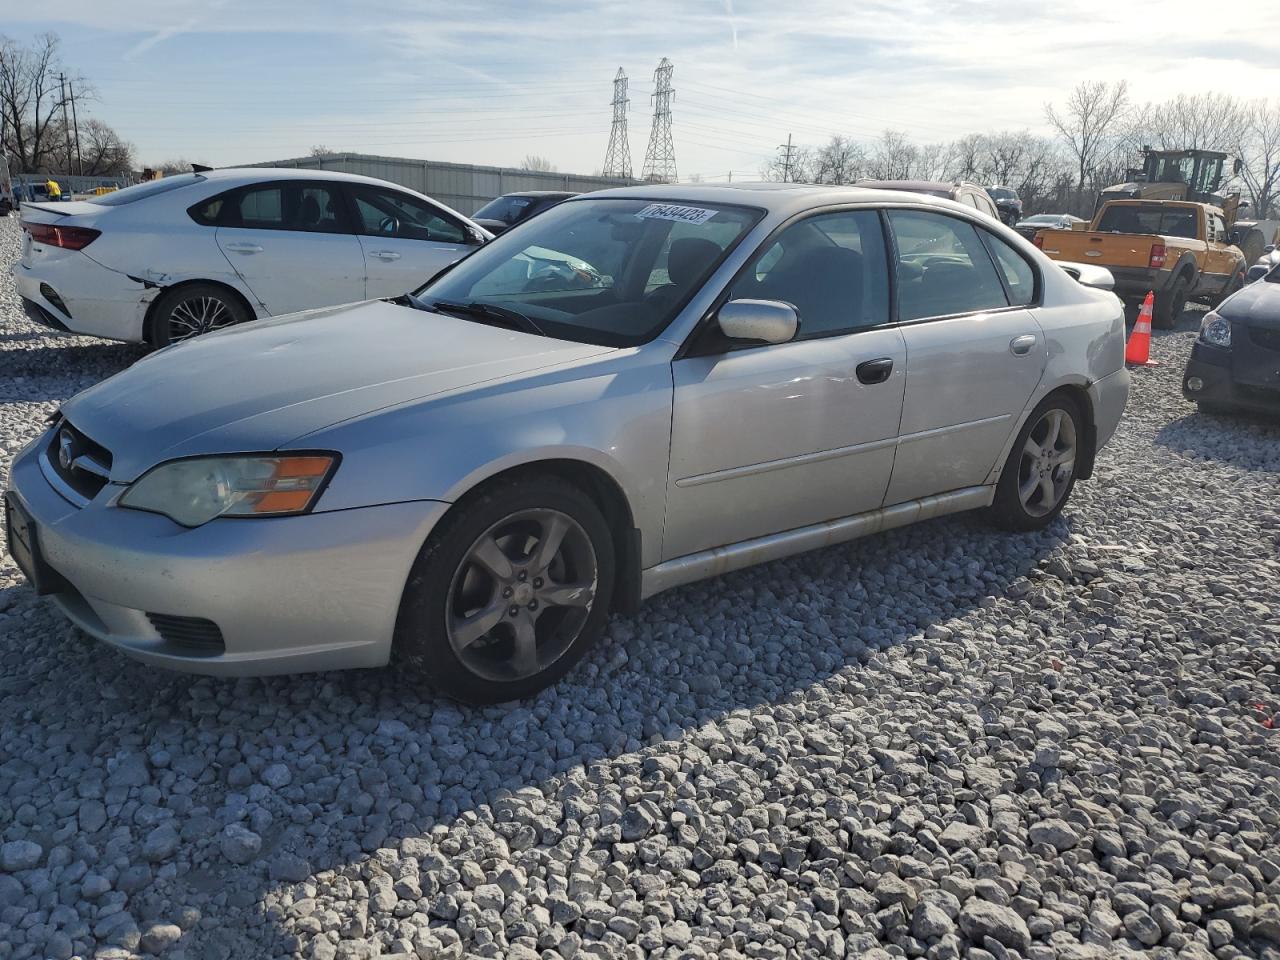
386	254
875	371
243	247
1021	346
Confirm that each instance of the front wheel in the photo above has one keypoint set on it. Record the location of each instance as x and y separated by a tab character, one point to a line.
1040	473
510	591
191	310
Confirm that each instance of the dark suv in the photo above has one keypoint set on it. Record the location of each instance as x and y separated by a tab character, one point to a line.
1008	202
506	211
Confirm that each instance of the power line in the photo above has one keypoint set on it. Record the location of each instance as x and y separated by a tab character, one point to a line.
660	157
617	159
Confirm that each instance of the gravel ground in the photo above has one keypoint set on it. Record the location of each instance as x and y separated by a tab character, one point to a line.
939	742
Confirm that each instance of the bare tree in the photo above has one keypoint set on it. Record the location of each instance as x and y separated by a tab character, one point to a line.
1259	155
30	96
1089	123
103	151
931	161
965	156
839	160
893	157
1203	121
320	150
175	165
537	164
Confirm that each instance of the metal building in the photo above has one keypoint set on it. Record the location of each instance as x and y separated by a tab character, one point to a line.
463	186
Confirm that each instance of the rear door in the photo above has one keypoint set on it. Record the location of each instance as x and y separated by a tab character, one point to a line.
290	242
405	240
975	352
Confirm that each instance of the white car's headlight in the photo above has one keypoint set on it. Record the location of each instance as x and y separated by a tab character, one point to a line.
1215	330
197	490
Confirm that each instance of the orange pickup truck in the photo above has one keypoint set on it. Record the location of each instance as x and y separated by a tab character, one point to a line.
1176	248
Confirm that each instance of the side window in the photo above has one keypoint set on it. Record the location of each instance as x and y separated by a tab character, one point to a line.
303	206
384	213
831	267
943	267
1019	277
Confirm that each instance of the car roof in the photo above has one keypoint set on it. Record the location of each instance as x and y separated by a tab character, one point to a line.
784	198
251	174
916	186
541	193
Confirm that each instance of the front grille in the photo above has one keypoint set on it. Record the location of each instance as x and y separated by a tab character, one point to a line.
82	464
1266	337
200	635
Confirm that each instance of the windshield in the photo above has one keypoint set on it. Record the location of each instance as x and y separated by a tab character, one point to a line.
606	271
1164	221
1002	193
506	209
150	188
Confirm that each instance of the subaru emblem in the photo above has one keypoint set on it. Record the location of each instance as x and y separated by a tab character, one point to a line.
66	449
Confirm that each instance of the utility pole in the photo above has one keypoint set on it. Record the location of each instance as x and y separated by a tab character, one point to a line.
788	156
617	159
66	130
660	157
75	125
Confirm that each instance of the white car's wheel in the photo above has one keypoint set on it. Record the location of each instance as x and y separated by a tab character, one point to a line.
1040	473
191	310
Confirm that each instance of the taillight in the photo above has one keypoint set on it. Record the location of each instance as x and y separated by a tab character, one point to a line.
52	235
1157	256
1038	240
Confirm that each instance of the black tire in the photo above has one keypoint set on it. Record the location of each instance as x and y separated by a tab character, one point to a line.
1008	510
432	605
1170	304
185	306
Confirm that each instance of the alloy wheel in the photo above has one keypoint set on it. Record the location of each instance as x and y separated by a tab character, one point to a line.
1047	463
522	595
192	317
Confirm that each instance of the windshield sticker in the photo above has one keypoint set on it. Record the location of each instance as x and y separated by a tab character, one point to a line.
673	211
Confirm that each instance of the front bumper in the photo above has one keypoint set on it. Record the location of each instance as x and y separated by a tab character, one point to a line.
90	298
289	594
1246	376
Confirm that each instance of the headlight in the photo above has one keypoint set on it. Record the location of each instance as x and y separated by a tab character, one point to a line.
195	491
1215	330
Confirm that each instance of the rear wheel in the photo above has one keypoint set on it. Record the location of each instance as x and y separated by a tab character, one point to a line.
510	592
1040	473
1170	304
191	310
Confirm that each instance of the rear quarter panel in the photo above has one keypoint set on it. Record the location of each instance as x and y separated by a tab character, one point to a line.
1084	340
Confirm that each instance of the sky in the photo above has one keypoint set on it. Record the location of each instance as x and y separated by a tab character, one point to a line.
234	81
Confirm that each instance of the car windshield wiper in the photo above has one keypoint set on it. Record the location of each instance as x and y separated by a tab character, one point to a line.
488	312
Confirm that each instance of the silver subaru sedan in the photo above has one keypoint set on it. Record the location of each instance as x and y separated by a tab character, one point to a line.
637	389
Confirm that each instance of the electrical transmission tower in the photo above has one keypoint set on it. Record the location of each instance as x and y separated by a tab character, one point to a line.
660	157
617	159
787	159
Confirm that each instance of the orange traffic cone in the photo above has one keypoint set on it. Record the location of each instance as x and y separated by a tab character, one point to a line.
1138	349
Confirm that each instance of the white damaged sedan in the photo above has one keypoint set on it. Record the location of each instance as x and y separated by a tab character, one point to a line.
471	478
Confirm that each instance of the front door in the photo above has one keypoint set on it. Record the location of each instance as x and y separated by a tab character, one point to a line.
770	438
975	352
406	241
292	245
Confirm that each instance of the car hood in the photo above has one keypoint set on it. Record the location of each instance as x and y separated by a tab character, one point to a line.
262	385
1258	305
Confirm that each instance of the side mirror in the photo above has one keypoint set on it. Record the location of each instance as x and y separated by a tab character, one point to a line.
769	320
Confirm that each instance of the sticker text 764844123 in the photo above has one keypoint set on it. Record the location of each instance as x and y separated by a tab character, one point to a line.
674	211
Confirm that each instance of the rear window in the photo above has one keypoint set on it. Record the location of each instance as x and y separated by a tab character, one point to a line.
506	209
1163	221
140	191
